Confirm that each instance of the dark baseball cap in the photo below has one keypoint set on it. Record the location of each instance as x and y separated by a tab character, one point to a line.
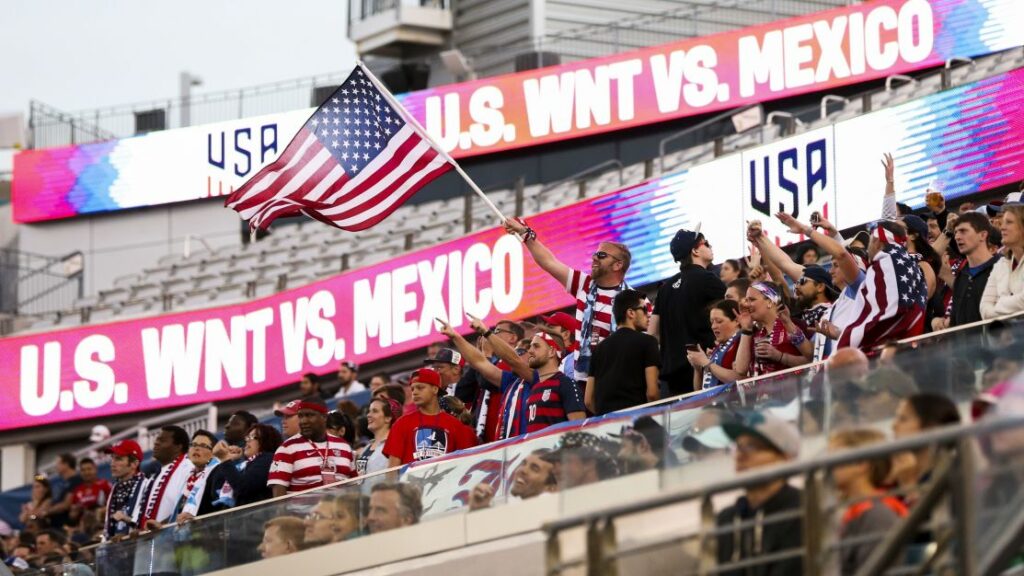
446	356
820	275
683	242
917	225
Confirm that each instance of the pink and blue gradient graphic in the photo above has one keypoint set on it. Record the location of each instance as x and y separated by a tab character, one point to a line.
971	136
964	140
65	182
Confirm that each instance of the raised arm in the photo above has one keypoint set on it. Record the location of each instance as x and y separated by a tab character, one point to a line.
889	211
771	253
540	253
503	350
474	357
840	257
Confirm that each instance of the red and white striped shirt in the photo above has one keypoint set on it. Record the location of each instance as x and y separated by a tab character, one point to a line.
579	286
299	462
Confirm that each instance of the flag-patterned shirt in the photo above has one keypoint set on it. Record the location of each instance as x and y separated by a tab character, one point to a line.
299	462
551	401
579	285
891	301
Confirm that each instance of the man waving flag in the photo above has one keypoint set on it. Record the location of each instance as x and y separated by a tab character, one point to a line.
354	162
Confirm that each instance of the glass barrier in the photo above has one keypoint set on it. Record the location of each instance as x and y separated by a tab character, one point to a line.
683	437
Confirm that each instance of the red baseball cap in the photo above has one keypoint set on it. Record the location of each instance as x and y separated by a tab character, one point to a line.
427	376
125	448
289	409
560	319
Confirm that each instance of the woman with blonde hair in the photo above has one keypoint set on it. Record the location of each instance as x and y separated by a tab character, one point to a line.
1004	292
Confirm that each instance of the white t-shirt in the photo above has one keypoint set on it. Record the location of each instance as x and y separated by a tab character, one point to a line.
353	388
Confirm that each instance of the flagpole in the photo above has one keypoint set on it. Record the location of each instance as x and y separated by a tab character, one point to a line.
423	134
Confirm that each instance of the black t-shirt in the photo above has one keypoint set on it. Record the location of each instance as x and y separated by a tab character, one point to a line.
618	369
682	309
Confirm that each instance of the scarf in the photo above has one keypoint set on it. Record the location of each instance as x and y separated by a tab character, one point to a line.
122	499
170	482
586	342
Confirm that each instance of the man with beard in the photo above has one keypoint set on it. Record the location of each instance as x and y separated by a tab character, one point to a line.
312	458
535	394
534	476
594	291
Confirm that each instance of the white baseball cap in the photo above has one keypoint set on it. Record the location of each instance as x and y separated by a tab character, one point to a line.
99	433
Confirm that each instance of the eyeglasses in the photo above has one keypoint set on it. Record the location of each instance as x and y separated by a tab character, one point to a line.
198	445
315	516
500	330
804	280
601	255
251	437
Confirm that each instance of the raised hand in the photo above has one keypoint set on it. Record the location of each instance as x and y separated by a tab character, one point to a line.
828	227
514	225
697	358
476	323
481	496
445	328
754	260
754	231
890	167
793	224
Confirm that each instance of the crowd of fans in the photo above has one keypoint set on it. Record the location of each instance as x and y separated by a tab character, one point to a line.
904	275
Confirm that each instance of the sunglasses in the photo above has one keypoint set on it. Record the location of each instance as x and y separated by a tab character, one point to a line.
601	255
646	307
804	280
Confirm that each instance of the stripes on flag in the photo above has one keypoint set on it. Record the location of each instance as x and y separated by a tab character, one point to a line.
892	301
353	163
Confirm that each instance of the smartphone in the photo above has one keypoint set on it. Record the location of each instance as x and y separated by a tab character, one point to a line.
815	217
693	347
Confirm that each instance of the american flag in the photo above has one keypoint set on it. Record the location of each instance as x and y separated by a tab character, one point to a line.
892	301
354	162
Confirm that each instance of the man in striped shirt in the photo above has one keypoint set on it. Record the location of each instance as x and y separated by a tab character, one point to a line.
534	393
312	458
594	290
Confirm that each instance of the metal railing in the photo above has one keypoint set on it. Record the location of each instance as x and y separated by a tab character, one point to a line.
192	418
36	284
950	490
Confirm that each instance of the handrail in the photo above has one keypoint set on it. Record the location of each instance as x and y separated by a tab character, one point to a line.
831	98
901	78
782	471
702	124
961	59
138	430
